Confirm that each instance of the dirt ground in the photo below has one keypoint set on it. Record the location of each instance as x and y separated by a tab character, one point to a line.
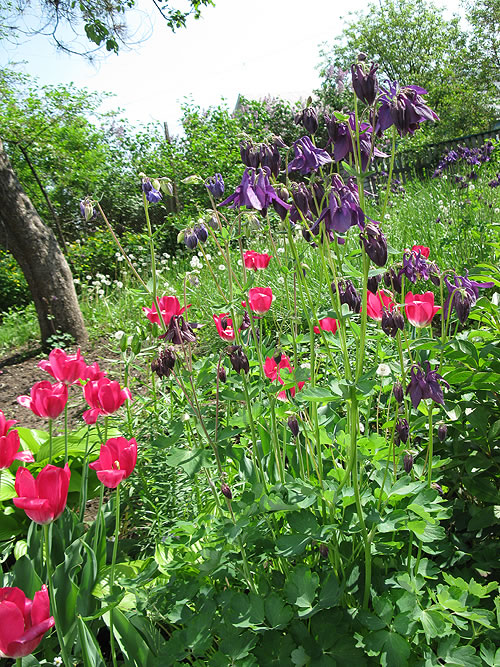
19	371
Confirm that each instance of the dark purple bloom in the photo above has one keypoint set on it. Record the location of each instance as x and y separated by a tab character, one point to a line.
462	294
152	194
250	154
293	425
221	373
308	117
255	192
201	232
397	390
365	83
164	364
442	432
283	195
408	462
270	157
179	331
190	238
398	319
392	280
340	135
388	325
349	295
425	384
402	429
415	266
215	185
375	244
402	107
373	283
343	210
238	359
307	157
226	491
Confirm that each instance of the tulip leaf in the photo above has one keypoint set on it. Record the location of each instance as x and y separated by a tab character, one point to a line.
32	439
7	489
91	652
77	445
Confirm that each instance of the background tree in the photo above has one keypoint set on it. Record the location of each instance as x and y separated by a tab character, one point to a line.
414	43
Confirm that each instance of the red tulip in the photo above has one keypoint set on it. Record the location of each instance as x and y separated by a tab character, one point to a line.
46	399
260	299
272	371
104	397
10	444
64	367
116	461
327	324
224	326
377	302
254	260
23	622
169	306
44	498
422	249
94	372
420	308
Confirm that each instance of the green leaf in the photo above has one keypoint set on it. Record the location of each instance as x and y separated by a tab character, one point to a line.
300	587
292	545
91	652
190	460
433	623
320	394
7	489
394	649
278	613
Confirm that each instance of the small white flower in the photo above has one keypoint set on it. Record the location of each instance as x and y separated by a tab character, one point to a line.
100	292
132	257
88	277
281	280
58	661
497	211
119	284
280	250
306	364
383	370
121	258
239	262
209	257
174	262
444	177
387	216
118	334
472	186
222	267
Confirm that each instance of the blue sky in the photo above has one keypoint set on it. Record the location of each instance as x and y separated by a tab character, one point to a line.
254	48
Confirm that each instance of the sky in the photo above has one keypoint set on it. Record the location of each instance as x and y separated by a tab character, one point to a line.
237	47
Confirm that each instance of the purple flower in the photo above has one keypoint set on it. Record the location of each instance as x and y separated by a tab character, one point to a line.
215	185
365	84
462	294
414	266
403	429
250	154
255	192
375	243
349	295
343	210
341	133
270	157
404	108
425	384
152	194
307	157
87	209
308	117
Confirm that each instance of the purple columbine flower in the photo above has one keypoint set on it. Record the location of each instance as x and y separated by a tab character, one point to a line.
375	243
340	135
201	232
349	294
152	194
403	429
250	154
404	108
255	192
307	157
365	83
215	185
87	209
270	157
425	384
462	294
415	266
308	117
343	210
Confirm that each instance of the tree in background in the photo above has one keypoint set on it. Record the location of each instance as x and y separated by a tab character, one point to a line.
414	43
102	23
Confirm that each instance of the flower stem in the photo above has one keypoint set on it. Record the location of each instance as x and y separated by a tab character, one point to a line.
112	574
50	440
52	597
430	450
66	433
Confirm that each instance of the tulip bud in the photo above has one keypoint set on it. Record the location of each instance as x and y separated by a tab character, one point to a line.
397	390
403	429
221	373
190	239
226	491
442	432
293	425
408	462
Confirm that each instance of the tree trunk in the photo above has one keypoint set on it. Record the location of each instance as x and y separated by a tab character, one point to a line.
35	248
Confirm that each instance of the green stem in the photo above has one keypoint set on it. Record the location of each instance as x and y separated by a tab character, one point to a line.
66	433
52	597
391	167
50	440
112	574
431	449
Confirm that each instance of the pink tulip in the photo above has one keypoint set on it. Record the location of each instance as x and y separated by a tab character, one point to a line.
260	299
10	444
422	249
116	461
377	302
46	399
224	325
327	324
23	622
94	372
64	367
104	397
272	371
169	306
420	308
254	260
43	499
